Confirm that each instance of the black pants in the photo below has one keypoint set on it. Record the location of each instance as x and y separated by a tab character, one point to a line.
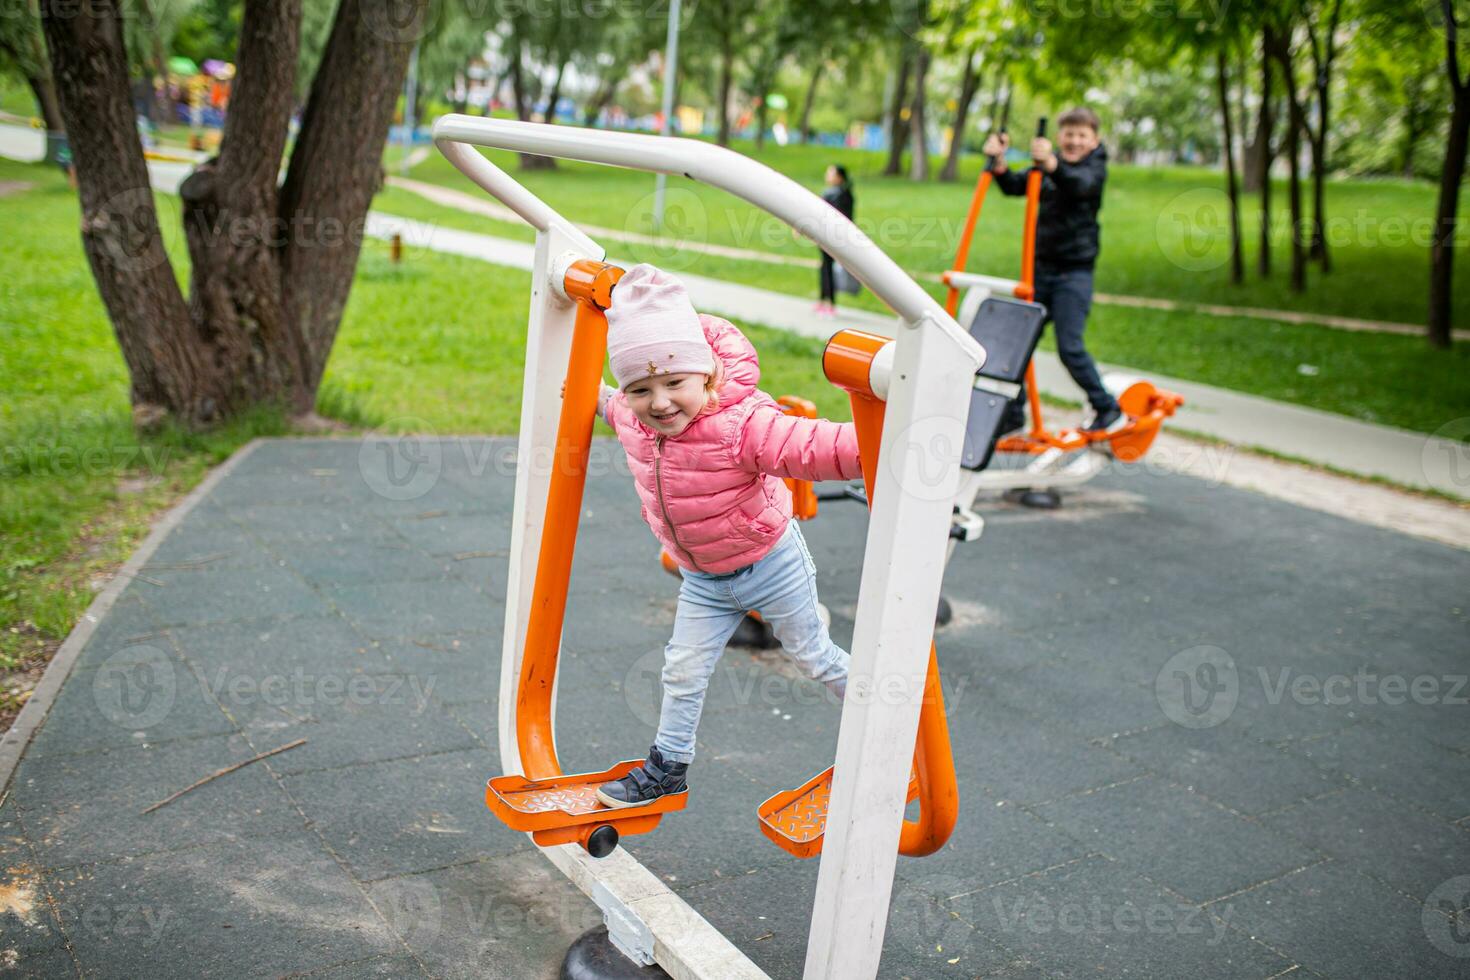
828	280
1067	296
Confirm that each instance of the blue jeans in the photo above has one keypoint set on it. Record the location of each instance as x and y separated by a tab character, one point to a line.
782	587
1067	296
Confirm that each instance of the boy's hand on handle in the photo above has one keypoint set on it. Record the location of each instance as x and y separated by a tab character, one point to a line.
1041	152
996	145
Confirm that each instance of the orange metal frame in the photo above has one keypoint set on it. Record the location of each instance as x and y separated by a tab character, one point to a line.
556	808
1144	404
795	820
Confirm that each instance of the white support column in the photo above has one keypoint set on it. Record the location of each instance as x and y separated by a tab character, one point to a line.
908	535
548	346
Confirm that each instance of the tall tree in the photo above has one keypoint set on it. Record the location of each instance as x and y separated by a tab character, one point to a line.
919	159
1322	38
271	266
1222	77
1452	173
1296	124
23	52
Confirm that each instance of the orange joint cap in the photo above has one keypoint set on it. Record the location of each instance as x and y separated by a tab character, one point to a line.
592	282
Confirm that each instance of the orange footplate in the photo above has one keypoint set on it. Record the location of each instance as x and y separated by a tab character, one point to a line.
796	819
565	809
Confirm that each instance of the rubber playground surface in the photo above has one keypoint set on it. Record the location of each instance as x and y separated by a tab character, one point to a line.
1199	733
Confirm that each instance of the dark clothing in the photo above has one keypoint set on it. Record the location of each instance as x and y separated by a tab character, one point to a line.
1067	297
1066	223
841	198
828	279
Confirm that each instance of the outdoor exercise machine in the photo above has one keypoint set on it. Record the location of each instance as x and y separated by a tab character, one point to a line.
1000	314
905	392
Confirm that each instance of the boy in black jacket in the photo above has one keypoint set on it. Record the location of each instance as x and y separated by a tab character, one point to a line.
1066	246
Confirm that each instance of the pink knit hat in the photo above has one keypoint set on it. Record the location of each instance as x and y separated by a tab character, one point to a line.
652	328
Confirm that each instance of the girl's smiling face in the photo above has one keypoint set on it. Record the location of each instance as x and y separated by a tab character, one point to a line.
667	403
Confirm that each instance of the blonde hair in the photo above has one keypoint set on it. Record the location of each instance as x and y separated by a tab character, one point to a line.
712	386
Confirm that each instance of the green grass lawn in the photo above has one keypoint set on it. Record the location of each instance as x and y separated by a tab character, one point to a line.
1384	378
1163	228
430	345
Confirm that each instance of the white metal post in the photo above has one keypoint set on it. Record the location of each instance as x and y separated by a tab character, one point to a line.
918	476
671	67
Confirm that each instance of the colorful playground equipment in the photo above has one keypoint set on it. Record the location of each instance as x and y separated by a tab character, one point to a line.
1000	315
893	746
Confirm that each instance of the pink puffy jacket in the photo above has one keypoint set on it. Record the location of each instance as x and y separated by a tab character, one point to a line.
713	494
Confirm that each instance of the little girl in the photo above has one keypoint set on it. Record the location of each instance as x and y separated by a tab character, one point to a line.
708	450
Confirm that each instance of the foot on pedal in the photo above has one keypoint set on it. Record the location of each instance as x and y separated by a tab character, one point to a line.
655	778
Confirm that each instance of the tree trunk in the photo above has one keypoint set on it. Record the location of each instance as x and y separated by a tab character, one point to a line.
804	129
336	166
604	96
1318	243
1237	259
897	127
119	224
1442	251
236	304
271	268
969	83
522	96
1294	125
761	112
727	69
549	115
1262	156
919	162
46	103
1258	153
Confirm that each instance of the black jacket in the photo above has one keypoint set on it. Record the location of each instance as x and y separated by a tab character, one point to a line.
840	198
1066	223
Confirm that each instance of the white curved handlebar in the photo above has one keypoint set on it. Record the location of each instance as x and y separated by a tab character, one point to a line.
730	171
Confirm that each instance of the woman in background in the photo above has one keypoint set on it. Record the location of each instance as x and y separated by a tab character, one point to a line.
838	194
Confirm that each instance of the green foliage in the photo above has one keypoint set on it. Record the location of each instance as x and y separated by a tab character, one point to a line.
208	29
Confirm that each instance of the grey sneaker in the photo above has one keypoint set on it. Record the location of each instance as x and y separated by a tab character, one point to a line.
656	777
